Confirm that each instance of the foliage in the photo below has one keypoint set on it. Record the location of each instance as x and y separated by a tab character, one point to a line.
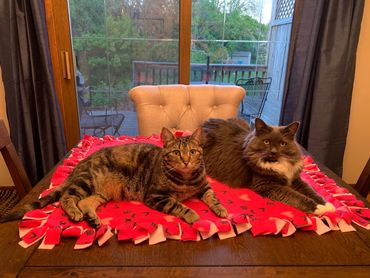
213	21
109	35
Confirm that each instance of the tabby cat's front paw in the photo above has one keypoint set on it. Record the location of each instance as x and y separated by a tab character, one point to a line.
94	221
191	216
220	211
75	215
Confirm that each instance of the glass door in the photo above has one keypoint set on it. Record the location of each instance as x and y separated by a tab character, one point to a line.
244	43
117	45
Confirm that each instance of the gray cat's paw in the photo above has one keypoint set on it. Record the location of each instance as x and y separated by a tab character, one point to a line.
330	207
220	211
322	209
191	216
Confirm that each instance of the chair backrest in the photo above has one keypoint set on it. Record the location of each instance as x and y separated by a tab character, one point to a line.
257	90
83	104
183	107
13	162
363	182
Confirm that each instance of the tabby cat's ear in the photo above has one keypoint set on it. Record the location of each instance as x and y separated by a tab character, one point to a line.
167	136
261	126
291	129
197	135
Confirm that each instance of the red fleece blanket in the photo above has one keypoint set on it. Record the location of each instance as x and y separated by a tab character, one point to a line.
136	222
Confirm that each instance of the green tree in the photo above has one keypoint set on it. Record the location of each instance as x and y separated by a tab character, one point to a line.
109	35
229	21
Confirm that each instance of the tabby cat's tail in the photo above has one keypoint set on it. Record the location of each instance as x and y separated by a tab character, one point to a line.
42	202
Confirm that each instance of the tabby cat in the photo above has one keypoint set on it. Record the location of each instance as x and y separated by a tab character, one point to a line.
266	159
159	177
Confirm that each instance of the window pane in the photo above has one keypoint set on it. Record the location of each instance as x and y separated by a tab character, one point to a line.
120	44
237	40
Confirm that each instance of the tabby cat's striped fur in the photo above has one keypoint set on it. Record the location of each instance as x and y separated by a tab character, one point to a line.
159	177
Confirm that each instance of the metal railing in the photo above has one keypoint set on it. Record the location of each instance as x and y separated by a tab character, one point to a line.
157	73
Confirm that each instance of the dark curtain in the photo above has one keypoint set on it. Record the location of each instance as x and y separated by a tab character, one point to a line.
320	75
32	108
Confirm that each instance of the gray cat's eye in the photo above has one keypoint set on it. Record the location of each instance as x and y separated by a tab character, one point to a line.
282	143
266	142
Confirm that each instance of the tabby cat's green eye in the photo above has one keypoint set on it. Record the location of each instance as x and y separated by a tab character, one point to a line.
176	152
266	142
192	151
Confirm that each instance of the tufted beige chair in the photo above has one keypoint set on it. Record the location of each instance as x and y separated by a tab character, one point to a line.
183	107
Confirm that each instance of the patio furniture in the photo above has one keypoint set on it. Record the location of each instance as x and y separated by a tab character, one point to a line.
256	94
97	121
183	107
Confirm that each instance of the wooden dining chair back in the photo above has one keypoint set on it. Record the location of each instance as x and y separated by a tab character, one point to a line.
17	172
363	183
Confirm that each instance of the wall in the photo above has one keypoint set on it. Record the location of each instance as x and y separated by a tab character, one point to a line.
5	178
357	149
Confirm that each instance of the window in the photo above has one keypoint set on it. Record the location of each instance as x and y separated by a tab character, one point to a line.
120	44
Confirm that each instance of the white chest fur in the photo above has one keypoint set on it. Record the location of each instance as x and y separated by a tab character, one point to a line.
283	167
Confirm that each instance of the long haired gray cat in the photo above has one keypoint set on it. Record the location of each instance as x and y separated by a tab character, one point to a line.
266	159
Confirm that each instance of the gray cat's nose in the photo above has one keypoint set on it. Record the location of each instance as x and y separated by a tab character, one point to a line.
273	150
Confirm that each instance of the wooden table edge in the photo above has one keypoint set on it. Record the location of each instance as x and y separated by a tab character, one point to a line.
203	271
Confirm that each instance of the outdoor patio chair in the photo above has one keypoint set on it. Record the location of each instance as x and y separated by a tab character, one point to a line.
256	94
183	107
98	123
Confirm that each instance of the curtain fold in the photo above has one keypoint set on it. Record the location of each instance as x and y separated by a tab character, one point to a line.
320	75
32	108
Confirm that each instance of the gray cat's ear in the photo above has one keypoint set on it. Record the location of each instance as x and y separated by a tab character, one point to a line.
167	135
261	126
291	129
197	135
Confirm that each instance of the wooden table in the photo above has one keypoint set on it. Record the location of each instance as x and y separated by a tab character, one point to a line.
334	254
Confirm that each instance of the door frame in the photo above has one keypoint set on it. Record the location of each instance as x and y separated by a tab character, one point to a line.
57	21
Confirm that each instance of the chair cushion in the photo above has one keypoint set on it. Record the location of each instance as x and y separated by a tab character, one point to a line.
183	107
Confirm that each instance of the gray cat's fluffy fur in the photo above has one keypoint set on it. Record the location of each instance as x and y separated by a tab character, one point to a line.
266	159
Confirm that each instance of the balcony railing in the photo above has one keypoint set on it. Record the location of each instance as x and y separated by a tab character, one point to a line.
157	73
